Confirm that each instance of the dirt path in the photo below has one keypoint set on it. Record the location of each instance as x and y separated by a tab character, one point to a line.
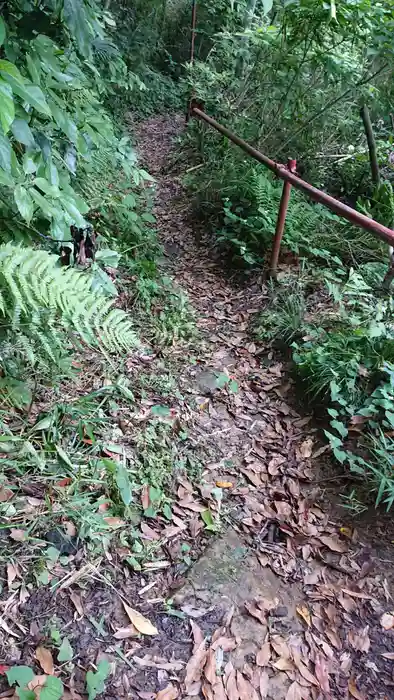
300	595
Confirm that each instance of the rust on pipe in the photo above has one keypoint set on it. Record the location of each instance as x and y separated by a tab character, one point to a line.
280	224
342	210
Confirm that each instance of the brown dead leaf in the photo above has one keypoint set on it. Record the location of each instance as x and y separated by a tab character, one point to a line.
321	673
263	655
230	682
198	635
114	522
387	620
126	632
12	574
36	683
264	684
142	623
283	664
70	528
305	672
5	494
334	638
280	646
303	612
389	655
294	692
195	665
210	667
359	640
225	643
218	690
77	602
45	659
333	543
18	535
306	448
253	609
245	688
145	497
354	692
168	693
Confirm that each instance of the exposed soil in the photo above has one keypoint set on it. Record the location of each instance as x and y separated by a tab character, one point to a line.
273	596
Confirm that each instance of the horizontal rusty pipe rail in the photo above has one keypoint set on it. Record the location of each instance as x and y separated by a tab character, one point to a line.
364	222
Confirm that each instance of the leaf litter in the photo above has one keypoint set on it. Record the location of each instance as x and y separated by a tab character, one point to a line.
259	457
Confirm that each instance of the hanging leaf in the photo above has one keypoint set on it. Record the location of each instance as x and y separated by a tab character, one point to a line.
2	31
22	132
267	5
24	202
64	122
29	93
7	109
5	153
76	17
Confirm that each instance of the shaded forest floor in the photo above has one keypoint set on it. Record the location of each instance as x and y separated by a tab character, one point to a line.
253	587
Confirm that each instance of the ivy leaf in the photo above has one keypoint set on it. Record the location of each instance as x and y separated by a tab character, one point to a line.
52	690
66	651
22	675
5	153
95	681
123	484
340	427
7	108
22	132
24	202
2	31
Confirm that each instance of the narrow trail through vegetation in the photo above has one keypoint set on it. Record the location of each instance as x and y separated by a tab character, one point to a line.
306	608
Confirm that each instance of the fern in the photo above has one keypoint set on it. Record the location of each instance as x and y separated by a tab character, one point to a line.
40	303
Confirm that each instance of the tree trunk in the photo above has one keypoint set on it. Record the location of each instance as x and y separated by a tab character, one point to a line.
373	156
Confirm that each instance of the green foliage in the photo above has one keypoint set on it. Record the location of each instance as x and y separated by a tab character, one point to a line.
95	681
41	301
343	351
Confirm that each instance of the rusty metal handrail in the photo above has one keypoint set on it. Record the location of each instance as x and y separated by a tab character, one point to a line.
286	173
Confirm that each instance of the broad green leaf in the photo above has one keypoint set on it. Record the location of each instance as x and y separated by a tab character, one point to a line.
340	427
76	18
66	651
52	173
46	187
28	163
6	179
22	132
24	203
64	122
45	206
7	108
102	281
73	213
30	93
22	675
206	515
267	5
60	230
34	69
2	31
26	694
16	169
5	153
95	681
123	483
9	70
52	690
109	258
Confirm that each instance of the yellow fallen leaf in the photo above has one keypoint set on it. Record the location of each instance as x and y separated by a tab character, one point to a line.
44	658
303	612
224	484
141	623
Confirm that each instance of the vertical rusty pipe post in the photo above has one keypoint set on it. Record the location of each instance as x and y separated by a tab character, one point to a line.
192	46
280	224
